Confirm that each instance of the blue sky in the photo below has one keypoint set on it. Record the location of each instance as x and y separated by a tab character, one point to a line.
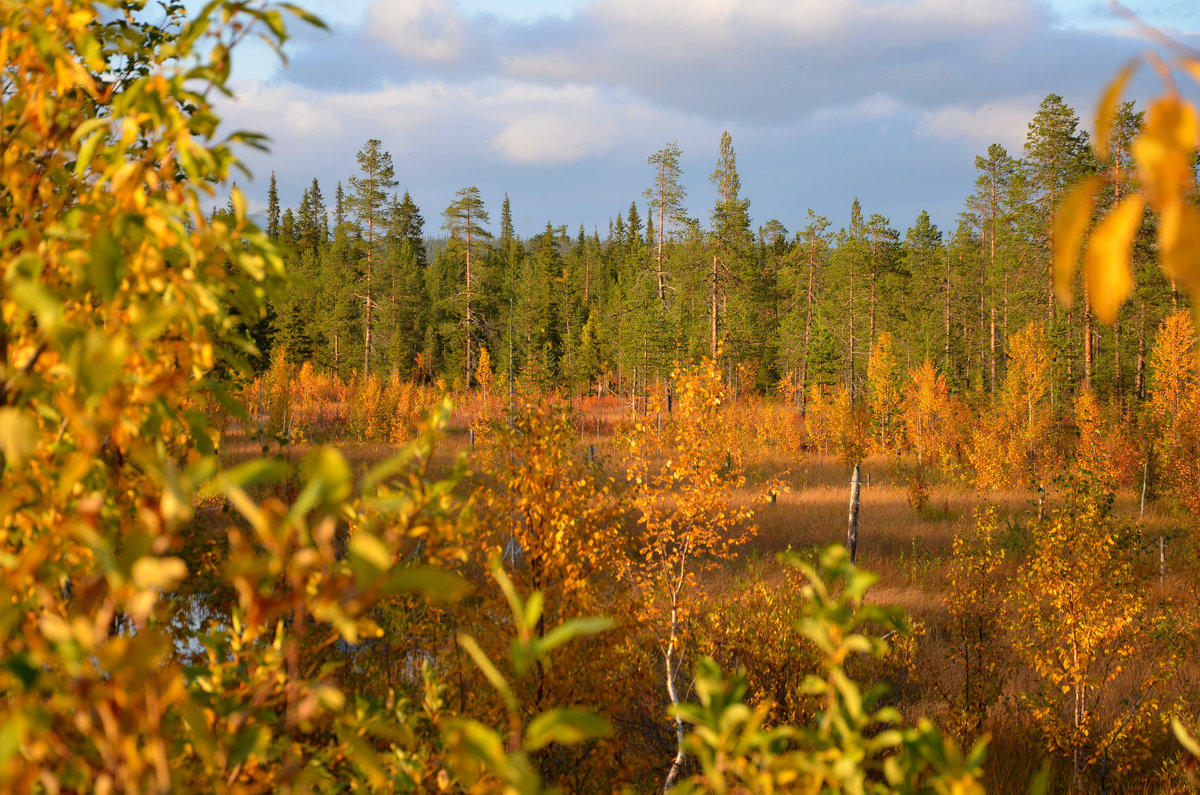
560	103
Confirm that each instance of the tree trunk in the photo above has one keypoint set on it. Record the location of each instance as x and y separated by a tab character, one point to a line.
947	290
852	531
993	359
982	313
672	666
1088	341
850	345
467	382
662	202
1117	380
715	278
874	270
1140	388
807	324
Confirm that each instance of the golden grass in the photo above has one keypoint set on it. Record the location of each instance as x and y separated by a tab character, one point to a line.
909	551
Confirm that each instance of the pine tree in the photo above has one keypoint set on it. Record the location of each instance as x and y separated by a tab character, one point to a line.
730	233
666	200
1058	156
850	258
369	193
923	260
464	220
990	208
884	242
1147	277
815	240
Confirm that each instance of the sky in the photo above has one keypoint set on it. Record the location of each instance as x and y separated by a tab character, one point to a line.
559	103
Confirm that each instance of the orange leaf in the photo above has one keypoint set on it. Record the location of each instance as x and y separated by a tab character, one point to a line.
1107	258
1192	67
1107	110
1070	222
1164	150
1179	243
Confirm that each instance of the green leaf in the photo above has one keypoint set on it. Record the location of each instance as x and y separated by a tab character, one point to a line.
1040	783
363	756
533	609
105	266
248	740
575	627
39	301
12	735
329	472
1185	738
22	667
306	16
256	472
489	670
369	550
565	727
481	743
432	582
198	733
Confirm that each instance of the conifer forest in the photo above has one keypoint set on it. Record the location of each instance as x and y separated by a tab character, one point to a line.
357	495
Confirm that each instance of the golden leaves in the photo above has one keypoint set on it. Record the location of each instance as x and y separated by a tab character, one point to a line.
1164	151
1106	113
1070	223
18	436
1107	258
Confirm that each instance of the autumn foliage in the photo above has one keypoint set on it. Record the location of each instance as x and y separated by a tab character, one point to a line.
184	614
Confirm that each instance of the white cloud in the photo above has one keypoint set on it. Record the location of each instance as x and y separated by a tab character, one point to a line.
300	110
1002	121
426	30
552	137
541	124
876	106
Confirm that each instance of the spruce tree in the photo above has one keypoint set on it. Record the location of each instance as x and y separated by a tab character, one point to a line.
405	315
273	209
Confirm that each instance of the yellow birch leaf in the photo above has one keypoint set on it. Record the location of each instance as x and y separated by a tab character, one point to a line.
1192	67
1107	110
1106	260
1070	222
18	436
154	572
1179	243
1164	150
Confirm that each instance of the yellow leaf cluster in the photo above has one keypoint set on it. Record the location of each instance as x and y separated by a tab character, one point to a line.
1164	151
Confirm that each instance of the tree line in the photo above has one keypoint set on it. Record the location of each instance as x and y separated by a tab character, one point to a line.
371	290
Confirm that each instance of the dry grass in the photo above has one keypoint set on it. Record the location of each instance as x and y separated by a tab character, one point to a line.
910	552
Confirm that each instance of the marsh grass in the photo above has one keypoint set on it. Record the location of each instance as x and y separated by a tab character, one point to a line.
909	550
